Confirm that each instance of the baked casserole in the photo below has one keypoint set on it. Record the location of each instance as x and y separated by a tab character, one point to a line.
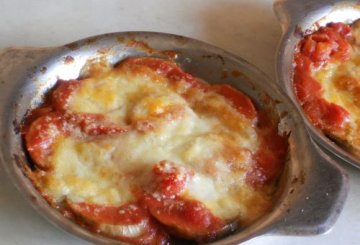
145	153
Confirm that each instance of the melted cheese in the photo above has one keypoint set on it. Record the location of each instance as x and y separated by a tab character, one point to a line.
202	133
328	77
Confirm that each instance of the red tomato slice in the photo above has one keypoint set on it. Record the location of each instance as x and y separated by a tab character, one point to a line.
187	218
240	101
130	222
62	93
41	136
328	43
170	179
325	115
306	87
166	68
46	126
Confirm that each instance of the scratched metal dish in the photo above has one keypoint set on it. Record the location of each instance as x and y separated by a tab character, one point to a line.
313	189
297	17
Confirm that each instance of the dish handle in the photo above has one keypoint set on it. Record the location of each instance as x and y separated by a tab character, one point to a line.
318	206
291	12
17	63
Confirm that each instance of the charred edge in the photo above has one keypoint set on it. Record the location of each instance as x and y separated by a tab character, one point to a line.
140	45
277	101
103	50
17	126
68	60
18	161
28	161
179	241
32	71
16	105
33	198
121	40
171	54
230	228
266	99
72	46
236	73
43	69
284	114
298	31
294	180
224	74
221	58
91	40
216	56
302	177
22	164
181	40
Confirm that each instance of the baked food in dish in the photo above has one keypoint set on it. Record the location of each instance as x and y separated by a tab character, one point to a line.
326	82
143	152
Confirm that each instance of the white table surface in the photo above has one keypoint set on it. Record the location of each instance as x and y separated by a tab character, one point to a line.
247	28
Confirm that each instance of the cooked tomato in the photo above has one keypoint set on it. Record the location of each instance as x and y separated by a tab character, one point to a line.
269	159
327	44
41	135
62	92
43	131
306	87
129	222
187	218
239	100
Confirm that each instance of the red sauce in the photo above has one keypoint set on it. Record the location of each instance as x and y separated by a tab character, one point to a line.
49	124
239	100
328	44
41	136
269	159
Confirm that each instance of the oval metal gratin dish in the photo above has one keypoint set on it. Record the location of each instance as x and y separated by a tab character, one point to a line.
314	188
297	17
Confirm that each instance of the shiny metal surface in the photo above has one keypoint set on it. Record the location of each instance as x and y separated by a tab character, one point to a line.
300	16
314	187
